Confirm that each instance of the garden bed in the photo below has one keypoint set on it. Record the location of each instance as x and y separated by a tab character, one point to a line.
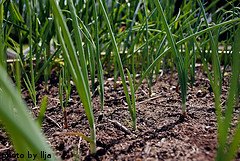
162	133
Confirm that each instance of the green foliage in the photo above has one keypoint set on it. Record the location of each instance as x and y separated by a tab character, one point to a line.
225	151
88	40
132	111
77	69
23	130
119	65
182	72
42	111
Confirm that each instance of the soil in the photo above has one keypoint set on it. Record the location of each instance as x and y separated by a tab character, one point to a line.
162	133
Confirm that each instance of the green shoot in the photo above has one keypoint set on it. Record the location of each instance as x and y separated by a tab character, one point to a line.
224	152
117	57
99	63
160	56
42	111
77	70
133	105
32	72
182	73
24	132
64	85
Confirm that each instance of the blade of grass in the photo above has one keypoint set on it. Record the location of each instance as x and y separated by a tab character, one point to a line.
146	53
91	64
127	42
47	63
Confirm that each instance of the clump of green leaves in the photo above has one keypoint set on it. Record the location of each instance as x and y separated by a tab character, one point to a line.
107	37
77	69
25	134
182	71
225	151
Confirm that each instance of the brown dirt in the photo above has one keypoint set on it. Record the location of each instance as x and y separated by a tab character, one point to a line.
162	133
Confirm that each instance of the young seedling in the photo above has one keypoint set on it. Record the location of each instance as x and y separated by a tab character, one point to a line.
117	58
30	43
182	72
226	151
42	111
23	131
132	110
64	85
77	66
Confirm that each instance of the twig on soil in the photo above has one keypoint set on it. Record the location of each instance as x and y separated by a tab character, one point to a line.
149	99
53	121
121	127
147	148
35	108
55	99
79	148
116	99
145	93
4	149
100	125
49	118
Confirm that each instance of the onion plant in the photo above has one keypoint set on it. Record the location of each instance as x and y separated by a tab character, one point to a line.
100	37
64	88
133	101
77	69
117	58
23	131
119	65
182	71
98	59
187	38
32	82
225	151
42	111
